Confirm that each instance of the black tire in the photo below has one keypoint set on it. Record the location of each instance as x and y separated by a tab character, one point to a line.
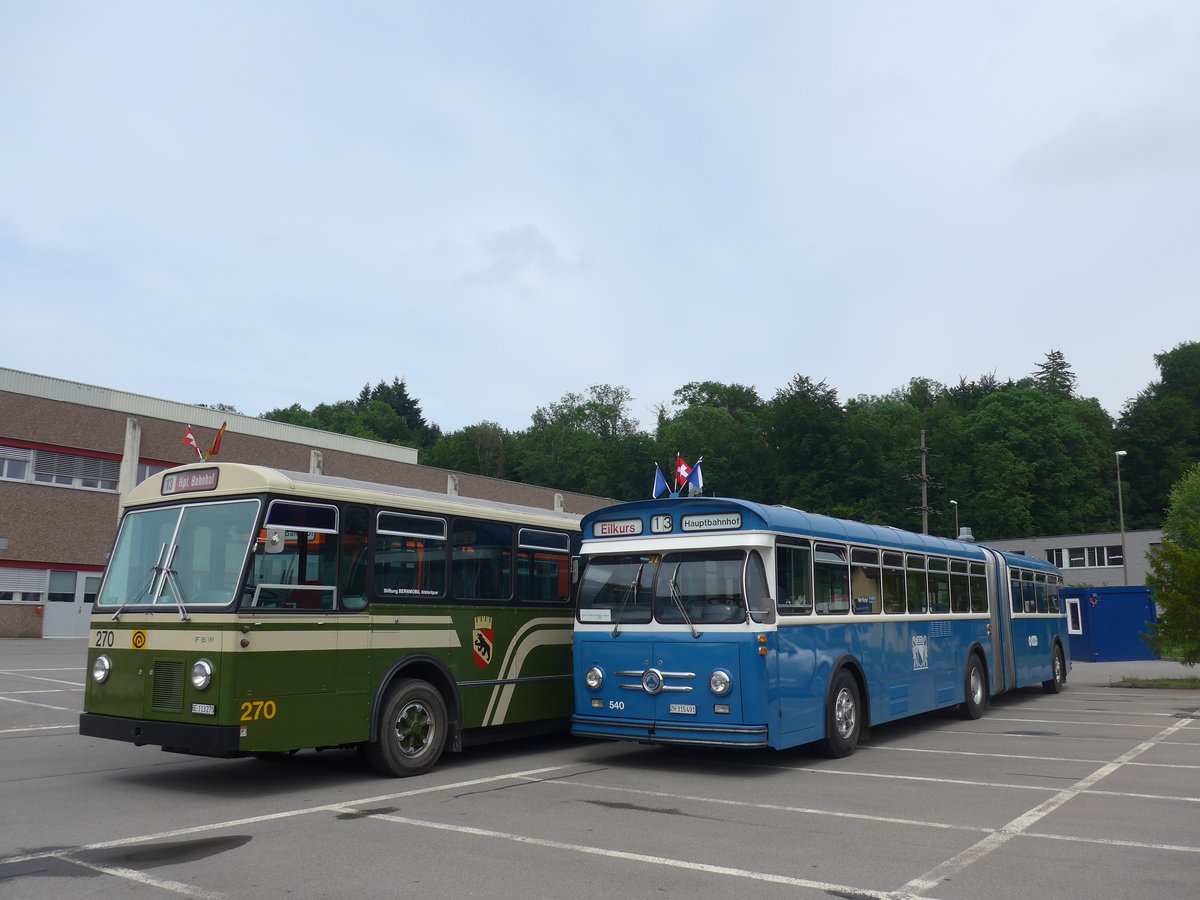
412	730
843	717
1059	681
976	688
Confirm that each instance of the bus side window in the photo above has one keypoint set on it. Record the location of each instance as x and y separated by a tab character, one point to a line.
864	581
832	580
918	592
793	580
893	583
354	558
960	591
481	566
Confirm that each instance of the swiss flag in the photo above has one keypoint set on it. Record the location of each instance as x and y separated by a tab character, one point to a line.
682	470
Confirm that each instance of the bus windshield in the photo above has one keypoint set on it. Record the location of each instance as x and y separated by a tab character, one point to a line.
703	587
191	555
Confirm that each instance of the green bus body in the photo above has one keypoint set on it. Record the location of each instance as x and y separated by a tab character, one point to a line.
304	643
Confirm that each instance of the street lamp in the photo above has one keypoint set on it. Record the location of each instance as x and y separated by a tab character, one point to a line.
1121	520
954	503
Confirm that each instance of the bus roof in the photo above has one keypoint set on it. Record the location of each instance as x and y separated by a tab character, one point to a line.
202	480
787	520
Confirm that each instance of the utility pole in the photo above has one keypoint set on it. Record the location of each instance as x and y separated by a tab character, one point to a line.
926	484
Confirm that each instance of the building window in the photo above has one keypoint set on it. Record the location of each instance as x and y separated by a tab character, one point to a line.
62	587
145	470
66	469
1086	557
14	463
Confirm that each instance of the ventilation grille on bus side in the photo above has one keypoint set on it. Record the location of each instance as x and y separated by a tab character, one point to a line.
167	692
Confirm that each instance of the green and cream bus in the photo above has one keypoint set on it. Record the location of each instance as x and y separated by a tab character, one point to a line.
247	611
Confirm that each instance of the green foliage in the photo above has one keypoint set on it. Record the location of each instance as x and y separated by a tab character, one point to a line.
587	443
1054	376
1019	458
384	412
1160	430
1175	577
481	449
1175	573
1183	512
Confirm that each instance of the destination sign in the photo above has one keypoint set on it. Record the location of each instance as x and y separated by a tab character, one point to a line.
711	522
617	528
189	482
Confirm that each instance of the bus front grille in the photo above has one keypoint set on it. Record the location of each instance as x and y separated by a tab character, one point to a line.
167	690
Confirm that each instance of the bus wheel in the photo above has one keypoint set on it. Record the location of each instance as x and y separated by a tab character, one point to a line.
1059	681
842	720
975	683
412	730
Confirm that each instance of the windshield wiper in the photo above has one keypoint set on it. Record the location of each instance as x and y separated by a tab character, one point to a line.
633	586
146	581
170	579
679	600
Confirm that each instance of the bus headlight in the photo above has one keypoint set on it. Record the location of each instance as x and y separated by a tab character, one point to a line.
101	669
719	682
594	678
202	673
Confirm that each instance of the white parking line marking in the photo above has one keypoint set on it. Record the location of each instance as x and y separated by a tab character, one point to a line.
688	865
1022	823
39	705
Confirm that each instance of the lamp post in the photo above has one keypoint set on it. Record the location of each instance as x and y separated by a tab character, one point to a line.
954	503
1121	521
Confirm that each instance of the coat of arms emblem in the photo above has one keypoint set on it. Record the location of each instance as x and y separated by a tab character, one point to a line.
482	641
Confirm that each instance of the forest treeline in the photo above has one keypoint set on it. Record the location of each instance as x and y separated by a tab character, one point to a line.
1021	458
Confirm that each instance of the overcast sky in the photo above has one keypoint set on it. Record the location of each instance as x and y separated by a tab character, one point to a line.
269	203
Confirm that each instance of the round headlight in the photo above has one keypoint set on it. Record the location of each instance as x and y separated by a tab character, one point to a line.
100	669
202	673
719	683
594	678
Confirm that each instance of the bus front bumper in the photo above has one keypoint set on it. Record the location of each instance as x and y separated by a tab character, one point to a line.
654	732
181	737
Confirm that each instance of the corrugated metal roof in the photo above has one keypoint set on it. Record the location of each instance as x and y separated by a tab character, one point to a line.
18	382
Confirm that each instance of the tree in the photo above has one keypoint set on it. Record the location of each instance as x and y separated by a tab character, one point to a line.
1175	574
1034	464
382	413
1160	430
587	443
805	427
481	449
1054	376
723	423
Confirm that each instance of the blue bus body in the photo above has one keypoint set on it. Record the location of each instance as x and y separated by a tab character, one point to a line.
721	622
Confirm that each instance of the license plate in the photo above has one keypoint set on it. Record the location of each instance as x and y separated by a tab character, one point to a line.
684	709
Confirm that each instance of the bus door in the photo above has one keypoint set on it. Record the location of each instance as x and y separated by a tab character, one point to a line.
290	612
800	698
1004	664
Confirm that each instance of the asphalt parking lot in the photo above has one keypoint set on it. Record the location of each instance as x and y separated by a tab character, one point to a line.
1090	793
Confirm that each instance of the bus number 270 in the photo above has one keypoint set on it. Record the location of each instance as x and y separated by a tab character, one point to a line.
258	709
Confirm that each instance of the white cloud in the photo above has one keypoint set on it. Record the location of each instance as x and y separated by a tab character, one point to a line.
278	203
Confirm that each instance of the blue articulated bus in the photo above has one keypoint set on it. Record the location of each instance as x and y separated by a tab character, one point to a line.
719	622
